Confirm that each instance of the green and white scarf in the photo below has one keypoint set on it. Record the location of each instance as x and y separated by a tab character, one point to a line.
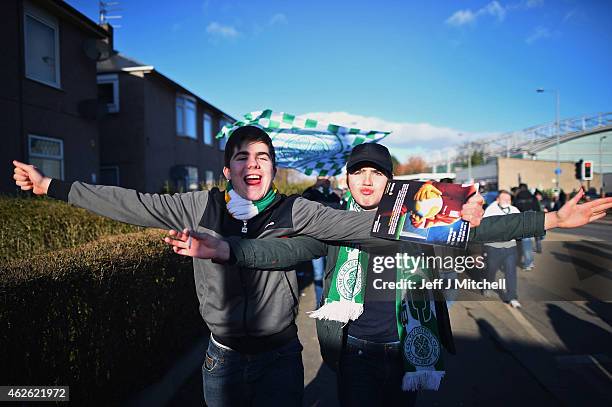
243	209
344	300
305	143
417	328
417	325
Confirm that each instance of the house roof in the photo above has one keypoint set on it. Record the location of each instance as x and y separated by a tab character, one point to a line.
119	62
63	9
122	63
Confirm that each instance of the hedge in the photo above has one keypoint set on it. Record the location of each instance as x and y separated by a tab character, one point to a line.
106	318
35	225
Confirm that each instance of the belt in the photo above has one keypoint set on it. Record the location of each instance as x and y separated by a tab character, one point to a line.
373	347
257	344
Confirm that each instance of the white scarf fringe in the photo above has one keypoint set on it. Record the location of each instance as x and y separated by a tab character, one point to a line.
422	380
341	311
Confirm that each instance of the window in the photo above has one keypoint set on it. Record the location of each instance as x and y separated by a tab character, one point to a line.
208	136
47	154
209	178
108	92
223	141
185	178
186	116
41	44
109	175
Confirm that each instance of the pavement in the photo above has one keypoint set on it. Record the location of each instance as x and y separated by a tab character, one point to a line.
554	351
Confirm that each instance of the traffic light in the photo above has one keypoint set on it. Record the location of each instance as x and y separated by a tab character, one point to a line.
587	170
578	173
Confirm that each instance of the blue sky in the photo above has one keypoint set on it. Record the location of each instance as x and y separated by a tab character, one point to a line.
426	69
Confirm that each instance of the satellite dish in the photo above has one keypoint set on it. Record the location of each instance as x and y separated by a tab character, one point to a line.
97	50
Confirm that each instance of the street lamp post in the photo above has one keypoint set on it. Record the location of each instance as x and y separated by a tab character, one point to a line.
601	174
469	153
558	169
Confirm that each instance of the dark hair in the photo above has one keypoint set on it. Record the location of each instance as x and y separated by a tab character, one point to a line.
503	191
247	134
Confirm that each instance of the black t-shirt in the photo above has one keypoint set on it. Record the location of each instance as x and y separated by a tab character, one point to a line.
378	321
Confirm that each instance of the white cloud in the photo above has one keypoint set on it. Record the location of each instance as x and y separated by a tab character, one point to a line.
569	15
540	33
278	18
493	9
225	31
462	17
424	139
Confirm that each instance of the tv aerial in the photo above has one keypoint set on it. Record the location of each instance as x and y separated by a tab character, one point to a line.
106	12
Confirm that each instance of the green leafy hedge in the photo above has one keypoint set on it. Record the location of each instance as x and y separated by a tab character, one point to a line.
106	318
35	225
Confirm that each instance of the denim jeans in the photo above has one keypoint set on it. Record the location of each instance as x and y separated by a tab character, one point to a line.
318	271
371	375
269	378
503	259
538	244
526	246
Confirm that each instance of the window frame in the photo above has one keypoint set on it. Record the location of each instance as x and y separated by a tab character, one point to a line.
212	138
223	141
183	98
60	158
114	80
197	176
207	182
51	22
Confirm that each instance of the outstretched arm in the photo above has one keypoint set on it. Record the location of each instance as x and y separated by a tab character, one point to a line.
125	205
530	224
267	254
332	225
573	215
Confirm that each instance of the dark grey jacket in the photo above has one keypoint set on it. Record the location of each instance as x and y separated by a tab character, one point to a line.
234	301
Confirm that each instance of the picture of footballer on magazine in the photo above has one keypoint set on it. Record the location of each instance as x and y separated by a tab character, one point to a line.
424	212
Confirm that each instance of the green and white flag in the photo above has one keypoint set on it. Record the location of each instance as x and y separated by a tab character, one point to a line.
304	144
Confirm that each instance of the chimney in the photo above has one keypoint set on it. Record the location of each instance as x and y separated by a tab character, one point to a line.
109	40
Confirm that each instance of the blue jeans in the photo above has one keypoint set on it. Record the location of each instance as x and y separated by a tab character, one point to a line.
503	259
538	244
371	375
318	271
526	252
269	378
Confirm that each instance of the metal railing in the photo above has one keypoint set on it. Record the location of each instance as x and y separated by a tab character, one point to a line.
524	141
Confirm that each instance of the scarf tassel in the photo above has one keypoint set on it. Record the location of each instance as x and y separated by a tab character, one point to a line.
422	380
341	311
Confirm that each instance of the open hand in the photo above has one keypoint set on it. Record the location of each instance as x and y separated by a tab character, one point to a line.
200	245
572	214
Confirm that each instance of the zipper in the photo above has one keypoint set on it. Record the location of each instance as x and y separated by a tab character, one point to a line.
244	231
